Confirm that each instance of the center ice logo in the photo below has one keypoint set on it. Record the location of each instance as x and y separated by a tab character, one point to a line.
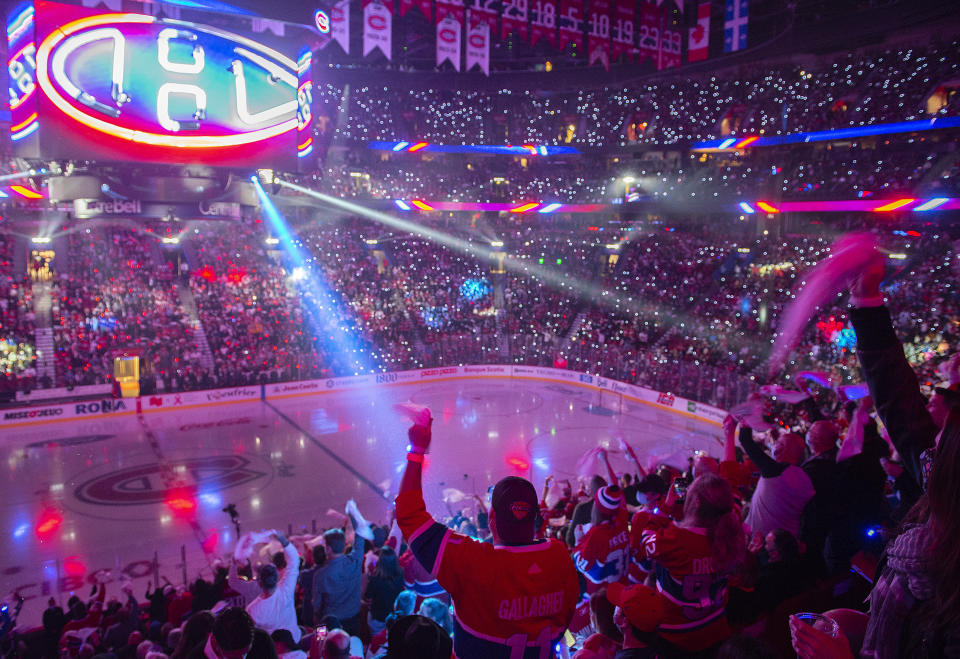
194	86
145	484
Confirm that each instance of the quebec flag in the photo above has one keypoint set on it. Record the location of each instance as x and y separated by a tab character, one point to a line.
735	26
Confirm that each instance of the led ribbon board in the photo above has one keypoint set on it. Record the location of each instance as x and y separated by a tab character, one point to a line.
497	149
129	86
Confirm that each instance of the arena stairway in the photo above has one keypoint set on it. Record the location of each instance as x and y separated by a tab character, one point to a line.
43	333
189	304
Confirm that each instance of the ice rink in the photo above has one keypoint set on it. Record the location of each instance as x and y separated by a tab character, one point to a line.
84	497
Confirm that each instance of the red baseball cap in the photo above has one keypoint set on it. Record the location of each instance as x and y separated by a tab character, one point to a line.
642	605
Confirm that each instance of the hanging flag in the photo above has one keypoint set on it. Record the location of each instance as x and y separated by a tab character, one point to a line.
424	6
624	16
671	46
571	23
453	8
543	22
649	41
485	11
514	18
448	41
377	28
735	26
340	24
598	33
698	41
478	42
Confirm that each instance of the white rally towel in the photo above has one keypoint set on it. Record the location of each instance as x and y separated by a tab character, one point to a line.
848	257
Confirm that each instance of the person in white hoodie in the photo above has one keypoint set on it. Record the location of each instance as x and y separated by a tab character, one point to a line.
274	608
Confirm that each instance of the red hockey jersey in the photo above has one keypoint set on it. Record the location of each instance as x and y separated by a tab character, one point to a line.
512	602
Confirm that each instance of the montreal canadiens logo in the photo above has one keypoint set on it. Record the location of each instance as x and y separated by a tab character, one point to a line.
520	509
322	21
448	35
145	484
194	86
477	40
377	22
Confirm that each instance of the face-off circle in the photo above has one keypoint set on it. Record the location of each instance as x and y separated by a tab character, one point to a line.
138	491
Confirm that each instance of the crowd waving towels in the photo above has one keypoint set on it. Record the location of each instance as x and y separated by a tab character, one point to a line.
244	549
849	255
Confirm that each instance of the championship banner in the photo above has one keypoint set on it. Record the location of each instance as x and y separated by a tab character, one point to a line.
424	6
698	41
571	23
514	18
649	36
448	40
377	28
624	17
340	24
543	22
478	43
671	46
598	33
485	11
453	8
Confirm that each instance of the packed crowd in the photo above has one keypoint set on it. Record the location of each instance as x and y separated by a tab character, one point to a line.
581	180
835	538
852	89
17	350
688	310
117	296
872	168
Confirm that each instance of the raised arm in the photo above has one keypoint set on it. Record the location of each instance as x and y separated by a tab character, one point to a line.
892	382
611	474
769	468
729	439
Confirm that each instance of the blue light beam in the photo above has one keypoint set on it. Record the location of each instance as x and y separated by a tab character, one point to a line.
334	328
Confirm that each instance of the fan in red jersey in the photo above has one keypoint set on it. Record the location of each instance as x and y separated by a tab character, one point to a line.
693	561
514	598
603	553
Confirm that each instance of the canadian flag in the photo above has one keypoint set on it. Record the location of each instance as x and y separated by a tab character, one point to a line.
698	42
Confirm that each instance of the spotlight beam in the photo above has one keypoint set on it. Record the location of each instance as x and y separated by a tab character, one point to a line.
326	313
578	289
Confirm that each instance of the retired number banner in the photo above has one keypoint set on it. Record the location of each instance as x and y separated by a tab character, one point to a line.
624	18
543	22
571	23
598	33
648	44
514	17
